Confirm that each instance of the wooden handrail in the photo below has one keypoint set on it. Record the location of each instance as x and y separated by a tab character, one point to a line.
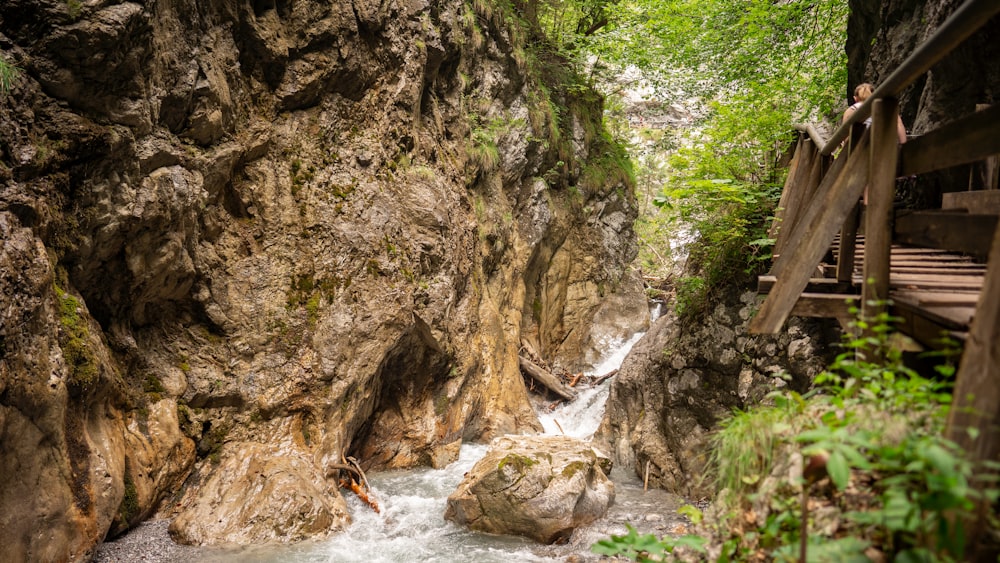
957	28
813	133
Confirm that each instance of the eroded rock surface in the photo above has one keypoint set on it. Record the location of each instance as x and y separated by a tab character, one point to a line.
540	487
680	379
236	500
232	228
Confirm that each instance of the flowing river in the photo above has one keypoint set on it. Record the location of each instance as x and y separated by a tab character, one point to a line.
411	526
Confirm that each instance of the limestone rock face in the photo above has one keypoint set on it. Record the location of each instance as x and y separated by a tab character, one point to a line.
243	491
540	487
680	379
319	228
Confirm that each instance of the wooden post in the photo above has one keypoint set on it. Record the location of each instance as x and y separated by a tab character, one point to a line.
878	216
976	406
779	213
989	168
848	241
796	194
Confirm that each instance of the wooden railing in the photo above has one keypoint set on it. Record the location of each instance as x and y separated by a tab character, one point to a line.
821	198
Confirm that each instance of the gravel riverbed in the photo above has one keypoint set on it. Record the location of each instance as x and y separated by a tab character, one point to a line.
148	542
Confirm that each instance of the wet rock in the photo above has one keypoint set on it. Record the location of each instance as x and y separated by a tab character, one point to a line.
190	244
680	379
538	487
261	494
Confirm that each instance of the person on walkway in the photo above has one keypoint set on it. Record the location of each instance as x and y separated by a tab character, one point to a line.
861	93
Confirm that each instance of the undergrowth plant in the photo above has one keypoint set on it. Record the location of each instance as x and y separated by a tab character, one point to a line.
730	218
869	435
8	74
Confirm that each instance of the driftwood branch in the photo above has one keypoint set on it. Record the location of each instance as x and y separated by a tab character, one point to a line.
546	378
358	485
603	378
345	467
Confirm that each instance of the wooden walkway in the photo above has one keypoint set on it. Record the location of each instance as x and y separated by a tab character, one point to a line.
933	292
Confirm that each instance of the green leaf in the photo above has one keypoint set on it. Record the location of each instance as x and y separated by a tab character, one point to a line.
940	459
691	541
692	512
916	555
837	468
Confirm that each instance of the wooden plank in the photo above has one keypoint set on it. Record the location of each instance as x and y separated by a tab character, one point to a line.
878	216
779	212
976	404
959	263
811	239
916	252
941	278
896	283
920	298
849	235
825	305
986	202
962	141
962	232
961	316
925	330
765	285
796	196
794	237
812	183
985	175
940	269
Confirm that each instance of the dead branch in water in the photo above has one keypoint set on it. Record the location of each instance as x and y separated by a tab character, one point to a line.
362	493
359	486
546	378
345	467
603	378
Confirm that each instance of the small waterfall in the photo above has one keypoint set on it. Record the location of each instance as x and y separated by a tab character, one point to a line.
411	526
581	417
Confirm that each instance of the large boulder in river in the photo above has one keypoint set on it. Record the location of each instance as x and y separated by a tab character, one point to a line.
541	487
259	494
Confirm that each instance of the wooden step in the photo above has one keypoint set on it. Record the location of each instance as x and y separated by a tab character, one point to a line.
970	233
986	202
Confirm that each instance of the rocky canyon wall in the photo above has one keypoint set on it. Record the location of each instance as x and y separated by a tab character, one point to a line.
245	238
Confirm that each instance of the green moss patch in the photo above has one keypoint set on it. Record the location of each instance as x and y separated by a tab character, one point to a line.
74	338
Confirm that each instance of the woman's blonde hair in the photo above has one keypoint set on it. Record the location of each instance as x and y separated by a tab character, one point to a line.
863	91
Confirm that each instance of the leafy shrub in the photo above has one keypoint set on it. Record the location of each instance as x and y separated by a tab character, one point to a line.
871	431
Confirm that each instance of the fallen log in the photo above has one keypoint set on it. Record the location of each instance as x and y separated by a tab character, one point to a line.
604	378
546	378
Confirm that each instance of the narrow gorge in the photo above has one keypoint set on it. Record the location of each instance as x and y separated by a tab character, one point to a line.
250	247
